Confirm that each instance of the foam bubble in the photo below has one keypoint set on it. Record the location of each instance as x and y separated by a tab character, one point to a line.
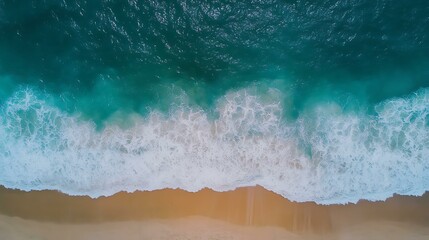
326	155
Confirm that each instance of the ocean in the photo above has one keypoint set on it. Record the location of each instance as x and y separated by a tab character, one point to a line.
322	101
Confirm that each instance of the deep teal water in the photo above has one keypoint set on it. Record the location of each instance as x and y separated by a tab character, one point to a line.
371	50
105	62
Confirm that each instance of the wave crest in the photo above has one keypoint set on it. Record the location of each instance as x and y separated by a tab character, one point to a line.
326	155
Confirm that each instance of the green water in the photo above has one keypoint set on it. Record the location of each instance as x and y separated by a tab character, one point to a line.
100	58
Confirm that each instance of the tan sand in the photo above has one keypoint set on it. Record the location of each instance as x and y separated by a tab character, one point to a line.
246	213
14	228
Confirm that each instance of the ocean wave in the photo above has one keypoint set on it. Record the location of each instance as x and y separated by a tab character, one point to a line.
326	155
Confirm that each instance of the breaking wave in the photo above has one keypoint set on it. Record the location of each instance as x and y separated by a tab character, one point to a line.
326	155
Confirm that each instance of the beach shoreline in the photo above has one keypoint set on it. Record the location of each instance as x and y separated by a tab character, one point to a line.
248	211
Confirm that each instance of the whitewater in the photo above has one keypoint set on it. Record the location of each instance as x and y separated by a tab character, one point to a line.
327	155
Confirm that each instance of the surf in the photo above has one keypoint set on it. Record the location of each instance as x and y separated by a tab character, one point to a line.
326	155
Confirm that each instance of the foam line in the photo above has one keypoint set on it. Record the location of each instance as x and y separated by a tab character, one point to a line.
326	155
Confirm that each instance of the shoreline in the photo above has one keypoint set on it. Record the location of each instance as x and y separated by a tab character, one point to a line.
247	206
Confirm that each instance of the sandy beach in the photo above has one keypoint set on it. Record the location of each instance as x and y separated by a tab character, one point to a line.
245	213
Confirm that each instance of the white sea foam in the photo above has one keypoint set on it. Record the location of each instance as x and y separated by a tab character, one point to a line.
326	155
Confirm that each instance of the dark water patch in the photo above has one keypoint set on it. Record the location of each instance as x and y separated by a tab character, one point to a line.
330	50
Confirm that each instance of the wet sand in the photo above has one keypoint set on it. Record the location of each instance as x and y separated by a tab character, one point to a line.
245	213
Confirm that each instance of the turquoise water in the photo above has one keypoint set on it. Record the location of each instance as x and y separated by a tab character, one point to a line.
318	101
